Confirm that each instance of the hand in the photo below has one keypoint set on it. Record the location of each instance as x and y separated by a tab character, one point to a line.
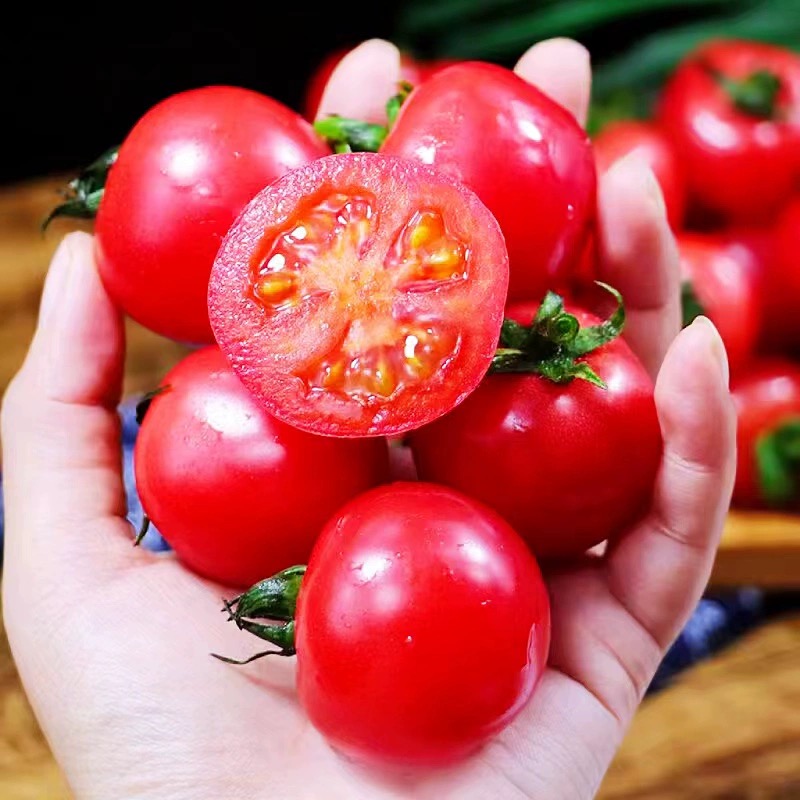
113	642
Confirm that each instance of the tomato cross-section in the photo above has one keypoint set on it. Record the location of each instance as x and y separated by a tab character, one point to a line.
361	295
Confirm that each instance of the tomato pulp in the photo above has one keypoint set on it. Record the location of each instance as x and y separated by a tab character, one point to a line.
524	155
183	174
423	626
360	295
732	110
238	494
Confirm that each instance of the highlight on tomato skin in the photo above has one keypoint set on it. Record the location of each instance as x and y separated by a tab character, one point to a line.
360	295
234	488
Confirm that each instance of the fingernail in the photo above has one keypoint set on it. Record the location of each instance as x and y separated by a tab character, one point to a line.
717	347
56	280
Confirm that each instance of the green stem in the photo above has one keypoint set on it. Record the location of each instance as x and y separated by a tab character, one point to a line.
84	193
777	455
755	95
274	599
554	341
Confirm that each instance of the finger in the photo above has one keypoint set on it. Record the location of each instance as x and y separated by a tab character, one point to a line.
638	255
659	570
562	69
362	82
60	430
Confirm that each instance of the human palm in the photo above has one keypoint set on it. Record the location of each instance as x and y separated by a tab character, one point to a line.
113	642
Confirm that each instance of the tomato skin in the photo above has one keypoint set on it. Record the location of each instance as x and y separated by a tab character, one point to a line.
725	285
234	489
183	174
423	626
738	166
765	397
650	143
273	352
524	155
568	465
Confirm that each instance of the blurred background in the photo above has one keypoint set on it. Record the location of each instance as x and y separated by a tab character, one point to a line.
720	720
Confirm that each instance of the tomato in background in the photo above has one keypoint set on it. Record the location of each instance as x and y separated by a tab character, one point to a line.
649	142
719	282
403	585
732	111
780	263
767	400
238	494
361	295
183	174
567	464
524	155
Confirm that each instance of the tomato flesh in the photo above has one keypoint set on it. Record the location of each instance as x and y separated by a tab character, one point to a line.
361	295
423	626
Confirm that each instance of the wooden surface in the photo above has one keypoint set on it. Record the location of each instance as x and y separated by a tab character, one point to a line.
728	729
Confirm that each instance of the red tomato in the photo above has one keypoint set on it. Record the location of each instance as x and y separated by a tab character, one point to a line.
361	295
732	110
651	144
767	400
568	465
183	174
524	155
423	626
720	283
236	493
781	283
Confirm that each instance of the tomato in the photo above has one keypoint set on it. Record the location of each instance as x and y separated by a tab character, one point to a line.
183	174
732	110
422	626
361	295
781	279
650	143
524	155
767	400
237	494
568	464
720	283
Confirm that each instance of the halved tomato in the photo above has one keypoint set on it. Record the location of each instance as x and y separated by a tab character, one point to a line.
361	294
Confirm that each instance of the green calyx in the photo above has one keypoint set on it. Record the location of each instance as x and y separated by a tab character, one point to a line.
83	194
346	135
755	95
778	462
554	341
691	307
273	599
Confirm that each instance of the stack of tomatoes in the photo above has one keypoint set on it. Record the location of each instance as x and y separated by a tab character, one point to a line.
724	144
393	411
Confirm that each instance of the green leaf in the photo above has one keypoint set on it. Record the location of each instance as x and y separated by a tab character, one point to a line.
351	135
